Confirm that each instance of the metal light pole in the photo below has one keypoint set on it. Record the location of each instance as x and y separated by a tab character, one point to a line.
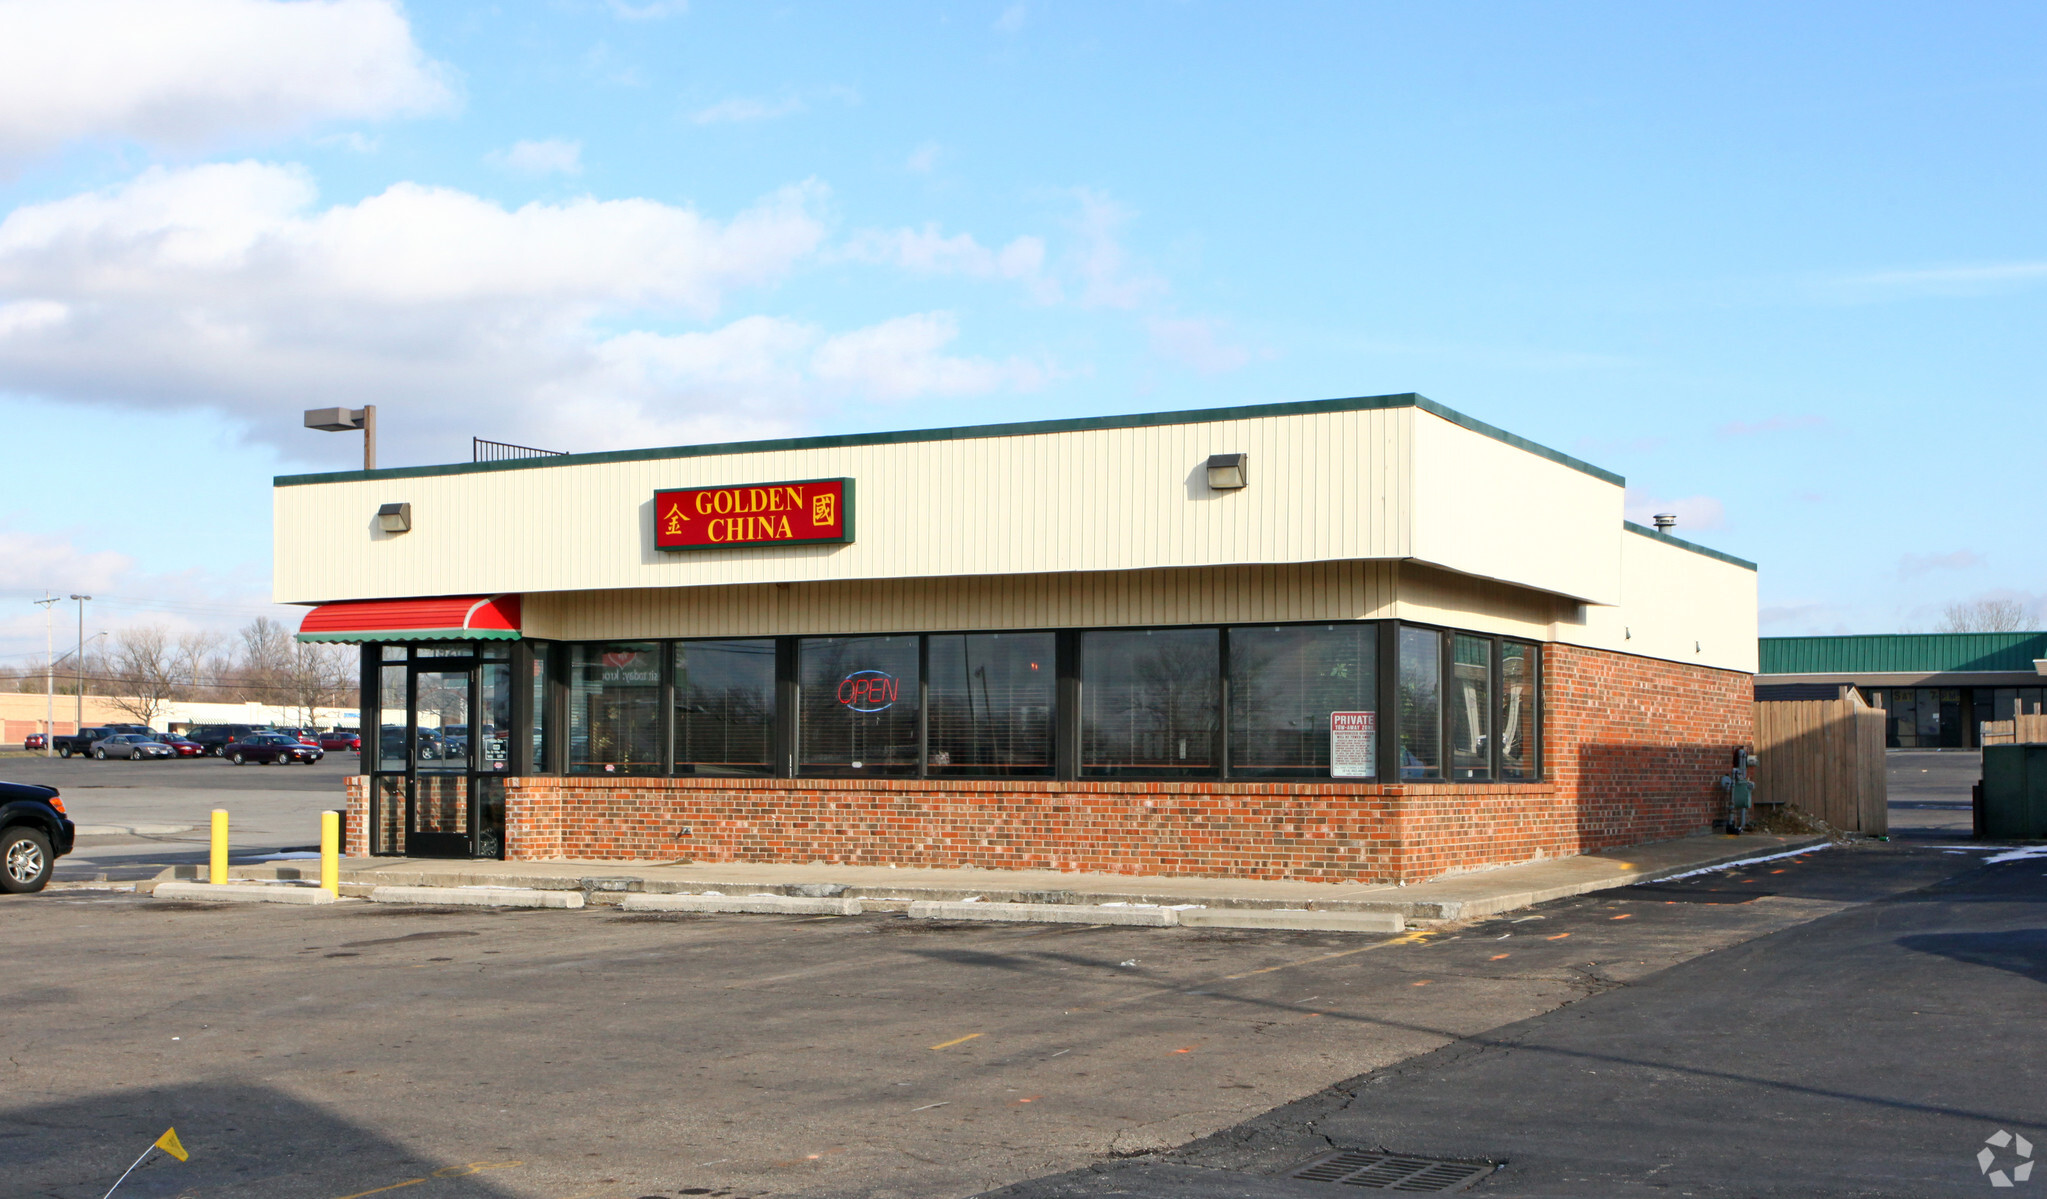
49	674
348	420
79	727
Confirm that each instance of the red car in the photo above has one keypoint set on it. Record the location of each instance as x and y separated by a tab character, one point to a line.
34	741
186	749
339	739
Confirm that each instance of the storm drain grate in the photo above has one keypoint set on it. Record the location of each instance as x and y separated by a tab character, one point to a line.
1391	1172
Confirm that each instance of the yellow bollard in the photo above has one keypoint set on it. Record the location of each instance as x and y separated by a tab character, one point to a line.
330	853
216	870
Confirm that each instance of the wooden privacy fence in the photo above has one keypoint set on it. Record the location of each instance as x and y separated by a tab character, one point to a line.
2024	728
1826	756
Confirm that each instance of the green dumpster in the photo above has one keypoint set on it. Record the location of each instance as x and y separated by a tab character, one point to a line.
2011	802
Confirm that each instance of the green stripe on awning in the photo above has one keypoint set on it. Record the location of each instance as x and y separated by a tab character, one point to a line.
414	635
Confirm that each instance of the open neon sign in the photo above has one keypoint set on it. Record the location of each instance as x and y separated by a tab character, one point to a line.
869	691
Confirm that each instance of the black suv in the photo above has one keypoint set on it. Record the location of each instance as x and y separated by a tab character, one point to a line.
211	737
34	833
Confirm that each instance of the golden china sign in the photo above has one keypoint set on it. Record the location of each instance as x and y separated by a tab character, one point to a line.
804	512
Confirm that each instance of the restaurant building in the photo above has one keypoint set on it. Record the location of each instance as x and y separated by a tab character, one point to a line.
1361	639
1937	690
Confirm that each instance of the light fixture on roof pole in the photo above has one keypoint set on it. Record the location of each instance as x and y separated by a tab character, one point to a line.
49	603
79	727
348	420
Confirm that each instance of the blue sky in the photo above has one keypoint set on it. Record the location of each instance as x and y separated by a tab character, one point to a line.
1781	266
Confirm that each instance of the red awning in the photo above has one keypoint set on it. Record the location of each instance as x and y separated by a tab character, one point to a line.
447	618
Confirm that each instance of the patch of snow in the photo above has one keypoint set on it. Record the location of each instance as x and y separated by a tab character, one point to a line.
1768	857
2025	854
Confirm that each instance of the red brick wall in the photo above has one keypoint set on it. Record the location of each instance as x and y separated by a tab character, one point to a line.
1633	751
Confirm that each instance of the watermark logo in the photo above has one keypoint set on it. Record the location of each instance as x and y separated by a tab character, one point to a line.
1997	1148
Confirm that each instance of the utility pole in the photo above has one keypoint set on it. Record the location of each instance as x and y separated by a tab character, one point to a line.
49	673
80	726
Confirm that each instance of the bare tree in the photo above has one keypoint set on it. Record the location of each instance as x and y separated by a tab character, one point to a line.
197	663
1983	616
142	669
320	676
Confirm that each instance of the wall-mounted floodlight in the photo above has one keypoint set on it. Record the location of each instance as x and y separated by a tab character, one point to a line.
395	518
1227	472
1664	521
348	420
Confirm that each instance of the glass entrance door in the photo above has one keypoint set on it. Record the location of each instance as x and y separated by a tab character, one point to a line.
438	812
442	752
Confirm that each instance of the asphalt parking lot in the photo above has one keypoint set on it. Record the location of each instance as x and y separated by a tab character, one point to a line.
317	1053
270	808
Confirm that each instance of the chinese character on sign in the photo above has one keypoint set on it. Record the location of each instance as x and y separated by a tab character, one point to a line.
821	510
675	519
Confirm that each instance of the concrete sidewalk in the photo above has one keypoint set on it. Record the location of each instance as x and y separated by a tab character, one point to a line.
1459	897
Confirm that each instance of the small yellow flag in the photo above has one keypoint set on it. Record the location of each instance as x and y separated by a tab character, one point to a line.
168	1142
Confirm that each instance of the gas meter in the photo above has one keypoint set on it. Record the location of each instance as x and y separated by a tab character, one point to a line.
1741	790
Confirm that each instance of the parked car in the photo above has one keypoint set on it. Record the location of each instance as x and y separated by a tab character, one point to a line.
34	741
392	741
34	833
185	747
135	746
308	736
268	747
211	738
334	740
83	740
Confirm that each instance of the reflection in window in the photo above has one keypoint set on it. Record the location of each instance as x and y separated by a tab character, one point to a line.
614	708
1520	752
491	739
724	707
859	705
1284	683
1471	707
991	703
392	706
1149	701
1421	684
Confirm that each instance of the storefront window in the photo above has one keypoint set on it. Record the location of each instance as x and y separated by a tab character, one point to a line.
539	684
859	705
1285	680
492	732
1421	685
1520	751
724	707
614	708
991	698
1471	707
1149	701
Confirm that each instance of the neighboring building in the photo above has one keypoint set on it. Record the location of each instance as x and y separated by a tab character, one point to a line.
1939	690
1365	639
22	713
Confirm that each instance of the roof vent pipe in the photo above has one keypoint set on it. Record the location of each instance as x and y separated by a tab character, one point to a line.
1664	521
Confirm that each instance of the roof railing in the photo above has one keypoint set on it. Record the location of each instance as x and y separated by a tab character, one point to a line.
504	451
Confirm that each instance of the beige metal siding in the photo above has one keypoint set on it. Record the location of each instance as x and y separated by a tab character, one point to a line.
1676	605
1324	486
1201	595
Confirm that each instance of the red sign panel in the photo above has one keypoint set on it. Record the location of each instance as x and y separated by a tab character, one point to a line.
808	510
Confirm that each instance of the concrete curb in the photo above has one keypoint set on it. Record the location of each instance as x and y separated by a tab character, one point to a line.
131	830
1296	919
242	893
756	905
478	897
1044	913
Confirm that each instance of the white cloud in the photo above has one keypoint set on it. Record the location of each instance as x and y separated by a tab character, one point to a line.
1694	512
900	359
225	286
191	73
648	10
924	159
928	251
1913	565
228	287
549	157
1197	342
1108	279
1937	281
740	110
1012	19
